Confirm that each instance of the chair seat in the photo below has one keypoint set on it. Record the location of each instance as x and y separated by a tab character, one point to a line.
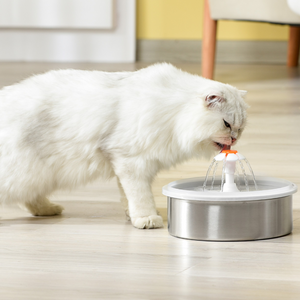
272	11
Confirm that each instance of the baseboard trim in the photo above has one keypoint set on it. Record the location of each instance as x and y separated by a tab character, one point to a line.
227	51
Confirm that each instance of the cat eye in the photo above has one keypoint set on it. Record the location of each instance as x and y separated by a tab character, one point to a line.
226	124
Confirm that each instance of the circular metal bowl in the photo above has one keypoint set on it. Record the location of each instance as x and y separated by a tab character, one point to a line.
240	216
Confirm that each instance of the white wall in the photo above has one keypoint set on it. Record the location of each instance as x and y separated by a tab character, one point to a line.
67	30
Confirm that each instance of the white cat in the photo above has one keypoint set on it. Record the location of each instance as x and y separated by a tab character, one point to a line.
66	128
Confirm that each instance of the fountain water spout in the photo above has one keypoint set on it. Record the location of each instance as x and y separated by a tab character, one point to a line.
230	157
229	185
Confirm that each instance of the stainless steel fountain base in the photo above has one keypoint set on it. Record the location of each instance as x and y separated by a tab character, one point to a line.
230	216
230	221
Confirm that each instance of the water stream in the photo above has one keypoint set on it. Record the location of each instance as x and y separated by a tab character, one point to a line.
207	174
240	176
252	173
245	175
214	176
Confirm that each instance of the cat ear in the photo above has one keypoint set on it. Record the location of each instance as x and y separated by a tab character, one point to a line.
213	100
243	93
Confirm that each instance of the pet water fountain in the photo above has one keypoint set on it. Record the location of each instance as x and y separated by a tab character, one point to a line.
232	206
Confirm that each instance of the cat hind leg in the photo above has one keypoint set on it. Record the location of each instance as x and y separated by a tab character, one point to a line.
43	207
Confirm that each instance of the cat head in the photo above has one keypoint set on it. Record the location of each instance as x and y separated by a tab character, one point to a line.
211	119
226	111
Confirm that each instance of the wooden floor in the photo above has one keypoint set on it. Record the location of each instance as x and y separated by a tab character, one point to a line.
92	252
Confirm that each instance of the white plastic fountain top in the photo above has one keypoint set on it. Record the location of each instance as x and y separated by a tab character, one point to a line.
230	155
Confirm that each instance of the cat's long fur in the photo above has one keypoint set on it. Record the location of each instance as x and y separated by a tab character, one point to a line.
66	128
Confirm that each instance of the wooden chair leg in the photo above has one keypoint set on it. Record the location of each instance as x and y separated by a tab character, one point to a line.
208	43
293	47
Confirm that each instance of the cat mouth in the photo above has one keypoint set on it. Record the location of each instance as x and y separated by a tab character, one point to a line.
222	147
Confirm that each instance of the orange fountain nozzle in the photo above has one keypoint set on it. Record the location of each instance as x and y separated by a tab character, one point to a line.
229	152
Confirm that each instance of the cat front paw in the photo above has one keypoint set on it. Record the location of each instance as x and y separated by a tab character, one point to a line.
149	222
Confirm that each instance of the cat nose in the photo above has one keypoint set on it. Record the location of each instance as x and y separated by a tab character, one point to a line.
233	140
